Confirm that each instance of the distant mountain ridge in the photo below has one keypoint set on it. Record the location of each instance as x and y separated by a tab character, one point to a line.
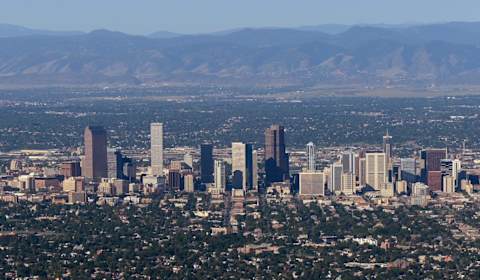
441	54
10	30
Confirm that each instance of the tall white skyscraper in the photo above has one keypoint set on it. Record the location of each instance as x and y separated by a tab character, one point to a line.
311	157
456	168
219	175
376	169
387	147
243	166
239	165
156	148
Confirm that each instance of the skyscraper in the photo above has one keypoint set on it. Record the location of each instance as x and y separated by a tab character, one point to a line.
188	159
376	169
71	169
431	172
348	162
311	157
387	147
312	183
348	183
242	166
206	163
408	169
336	173
276	158
95	162
456	168
254	170
156	148
114	164
220	176
362	171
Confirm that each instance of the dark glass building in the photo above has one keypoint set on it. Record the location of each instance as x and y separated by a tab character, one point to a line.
206	163
276	158
431	172
95	162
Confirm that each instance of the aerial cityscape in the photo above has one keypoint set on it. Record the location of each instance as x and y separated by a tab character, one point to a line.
254	140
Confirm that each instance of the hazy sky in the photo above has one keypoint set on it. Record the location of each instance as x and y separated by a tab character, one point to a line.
192	16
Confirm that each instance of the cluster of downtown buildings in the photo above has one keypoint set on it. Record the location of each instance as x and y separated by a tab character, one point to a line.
246	169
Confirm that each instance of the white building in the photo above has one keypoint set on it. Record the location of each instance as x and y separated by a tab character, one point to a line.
376	169
348	183
219	175
311	157
188	183
312	183
156	148
448	184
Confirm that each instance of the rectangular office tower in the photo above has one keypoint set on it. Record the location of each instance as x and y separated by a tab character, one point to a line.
71	169
375	169
335	182
276	158
95	161
220	176
242	166
114	164
311	157
312	183
206	163
156	148
348	162
432	167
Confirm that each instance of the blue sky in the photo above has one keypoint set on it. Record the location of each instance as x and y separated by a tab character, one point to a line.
193	16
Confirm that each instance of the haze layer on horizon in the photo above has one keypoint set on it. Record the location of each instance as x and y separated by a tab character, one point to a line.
201	16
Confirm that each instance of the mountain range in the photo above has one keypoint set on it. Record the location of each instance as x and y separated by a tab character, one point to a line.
377	55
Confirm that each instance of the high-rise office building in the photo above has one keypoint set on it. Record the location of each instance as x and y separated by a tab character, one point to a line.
348	183
276	158
174	179
206	163
431	171
254	170
129	169
220	175
188	185
242	166
311	157
188	159
448	184
348	162
408	170
336	176
456	168
446	167
95	161
71	169
362	172
387	147
375	169
156	148
114	164
312	183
